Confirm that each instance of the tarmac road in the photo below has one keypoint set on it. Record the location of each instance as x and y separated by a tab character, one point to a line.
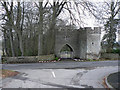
60	75
61	65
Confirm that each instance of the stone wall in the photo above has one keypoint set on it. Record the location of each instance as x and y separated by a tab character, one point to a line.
82	44
112	56
27	59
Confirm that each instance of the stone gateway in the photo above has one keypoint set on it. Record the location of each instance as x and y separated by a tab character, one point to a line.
81	43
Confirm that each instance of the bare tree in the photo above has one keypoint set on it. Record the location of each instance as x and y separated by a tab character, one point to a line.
9	14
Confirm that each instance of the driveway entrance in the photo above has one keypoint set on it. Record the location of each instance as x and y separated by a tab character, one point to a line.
66	52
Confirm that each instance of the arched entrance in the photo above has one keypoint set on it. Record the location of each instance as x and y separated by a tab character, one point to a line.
66	52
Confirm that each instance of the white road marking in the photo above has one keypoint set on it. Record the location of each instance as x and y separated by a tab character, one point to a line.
53	74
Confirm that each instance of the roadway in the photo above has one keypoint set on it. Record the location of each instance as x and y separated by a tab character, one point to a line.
63	74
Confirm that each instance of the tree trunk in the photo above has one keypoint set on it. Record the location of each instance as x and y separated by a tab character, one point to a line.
18	29
51	33
21	45
5	44
40	36
11	43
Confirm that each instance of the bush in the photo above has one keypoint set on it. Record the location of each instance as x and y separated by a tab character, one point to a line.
90	59
3	60
56	58
116	51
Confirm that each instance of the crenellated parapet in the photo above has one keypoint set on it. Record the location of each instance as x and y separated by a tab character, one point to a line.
67	30
95	30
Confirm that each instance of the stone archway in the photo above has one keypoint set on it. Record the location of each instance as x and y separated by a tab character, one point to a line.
66	51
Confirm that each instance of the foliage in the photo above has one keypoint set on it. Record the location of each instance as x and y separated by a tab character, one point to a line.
56	58
4	61
111	26
91	60
116	51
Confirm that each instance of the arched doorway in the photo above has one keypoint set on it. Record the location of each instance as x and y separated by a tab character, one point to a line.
66	52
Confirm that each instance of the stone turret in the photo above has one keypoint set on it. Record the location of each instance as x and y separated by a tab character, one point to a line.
95	30
93	42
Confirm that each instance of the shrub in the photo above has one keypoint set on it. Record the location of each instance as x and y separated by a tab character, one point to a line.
3	60
116	51
56	58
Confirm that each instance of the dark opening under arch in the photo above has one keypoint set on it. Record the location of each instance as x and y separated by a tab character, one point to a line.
66	47
66	51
